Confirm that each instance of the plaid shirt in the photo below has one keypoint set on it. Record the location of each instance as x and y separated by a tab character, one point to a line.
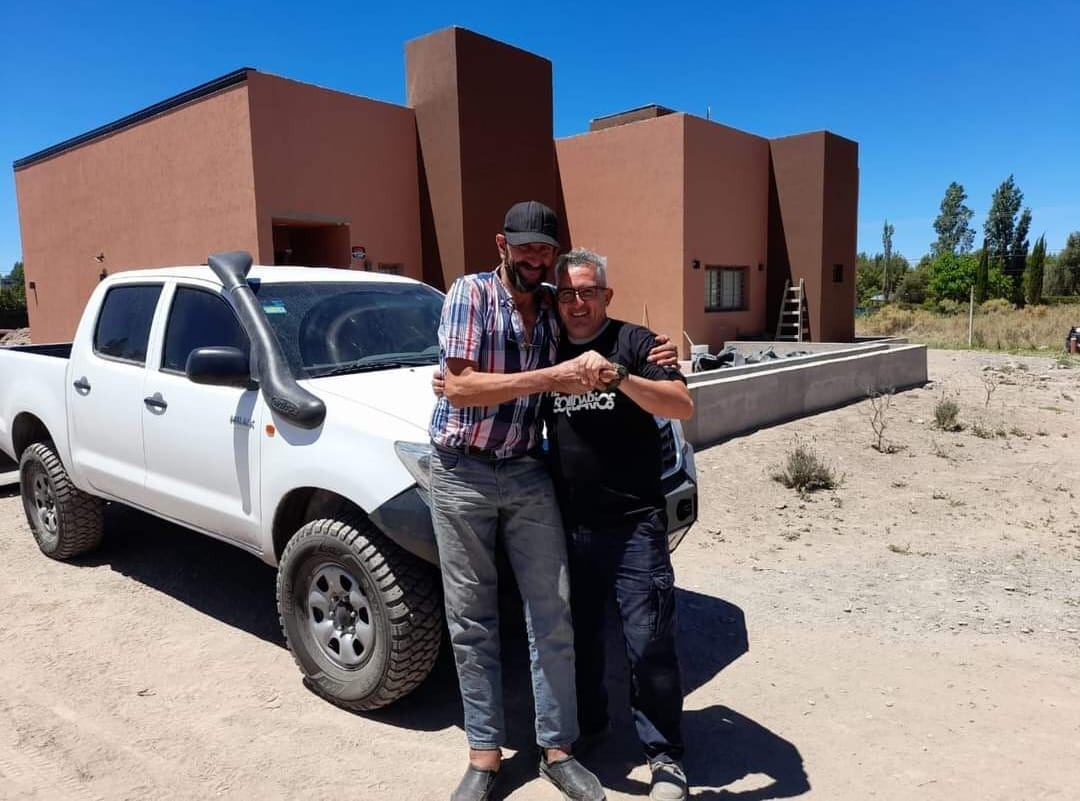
481	324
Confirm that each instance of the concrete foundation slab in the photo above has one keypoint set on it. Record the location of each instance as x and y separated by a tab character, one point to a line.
741	399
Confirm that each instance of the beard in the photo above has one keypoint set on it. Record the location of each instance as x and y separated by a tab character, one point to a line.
520	282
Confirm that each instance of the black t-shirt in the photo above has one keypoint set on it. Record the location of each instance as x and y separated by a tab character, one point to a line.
605	448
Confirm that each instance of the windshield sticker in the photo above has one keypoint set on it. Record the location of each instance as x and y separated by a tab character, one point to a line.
275	306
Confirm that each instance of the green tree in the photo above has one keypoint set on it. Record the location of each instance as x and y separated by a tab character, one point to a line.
1056	281
1000	227
1050	273
1018	251
1033	275
1068	263
868	277
999	285
951	276
982	274
13	296
886	244
914	286
953	223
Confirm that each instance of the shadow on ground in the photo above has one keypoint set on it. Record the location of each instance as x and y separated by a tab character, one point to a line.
216	578
722	746
238	589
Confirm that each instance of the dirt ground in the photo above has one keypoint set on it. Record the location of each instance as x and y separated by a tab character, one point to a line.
914	634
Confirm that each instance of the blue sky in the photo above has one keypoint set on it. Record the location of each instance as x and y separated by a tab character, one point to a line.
932	91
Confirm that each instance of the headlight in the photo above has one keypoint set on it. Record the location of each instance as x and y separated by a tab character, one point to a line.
416	457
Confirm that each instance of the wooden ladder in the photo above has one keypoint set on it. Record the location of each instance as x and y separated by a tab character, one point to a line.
793	324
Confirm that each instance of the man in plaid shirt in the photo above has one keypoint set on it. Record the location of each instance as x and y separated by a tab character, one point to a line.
498	336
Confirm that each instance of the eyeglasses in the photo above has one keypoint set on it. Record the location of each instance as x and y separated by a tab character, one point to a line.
586	293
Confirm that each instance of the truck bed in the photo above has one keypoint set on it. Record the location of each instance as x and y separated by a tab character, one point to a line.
58	350
33	379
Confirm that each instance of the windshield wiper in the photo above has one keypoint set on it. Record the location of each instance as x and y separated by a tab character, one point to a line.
378	364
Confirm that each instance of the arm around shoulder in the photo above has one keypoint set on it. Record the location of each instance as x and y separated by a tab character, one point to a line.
665	398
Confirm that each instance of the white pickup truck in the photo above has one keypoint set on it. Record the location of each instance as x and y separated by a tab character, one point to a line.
280	409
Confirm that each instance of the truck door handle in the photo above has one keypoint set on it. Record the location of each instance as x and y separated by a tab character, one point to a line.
156	402
82	385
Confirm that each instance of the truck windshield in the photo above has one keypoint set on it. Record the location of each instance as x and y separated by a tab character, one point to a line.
350	327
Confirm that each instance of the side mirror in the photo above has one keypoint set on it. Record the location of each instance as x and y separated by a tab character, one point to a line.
219	366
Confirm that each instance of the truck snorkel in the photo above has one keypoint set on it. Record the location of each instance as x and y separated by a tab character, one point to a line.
278	387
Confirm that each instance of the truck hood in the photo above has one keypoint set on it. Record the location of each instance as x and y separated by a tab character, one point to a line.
404	393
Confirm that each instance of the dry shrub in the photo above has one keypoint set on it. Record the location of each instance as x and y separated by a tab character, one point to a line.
805	471
947	414
880	402
889	320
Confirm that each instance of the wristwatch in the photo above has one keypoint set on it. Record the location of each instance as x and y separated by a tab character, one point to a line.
620	374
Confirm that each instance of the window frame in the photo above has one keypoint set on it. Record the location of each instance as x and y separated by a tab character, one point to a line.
719	269
161	368
160	286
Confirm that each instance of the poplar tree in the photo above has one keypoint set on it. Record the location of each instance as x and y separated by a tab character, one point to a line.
953	223
1033	275
1018	251
1000	227
982	274
886	244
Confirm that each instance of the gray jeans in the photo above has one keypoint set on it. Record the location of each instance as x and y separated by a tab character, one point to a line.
473	501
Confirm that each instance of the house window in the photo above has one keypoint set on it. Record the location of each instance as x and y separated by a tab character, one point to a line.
725	288
389	269
838	273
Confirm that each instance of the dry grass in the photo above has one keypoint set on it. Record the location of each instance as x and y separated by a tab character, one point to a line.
996	326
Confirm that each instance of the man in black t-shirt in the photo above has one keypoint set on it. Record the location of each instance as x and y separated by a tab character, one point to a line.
606	462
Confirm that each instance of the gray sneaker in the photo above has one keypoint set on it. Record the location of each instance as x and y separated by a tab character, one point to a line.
668	782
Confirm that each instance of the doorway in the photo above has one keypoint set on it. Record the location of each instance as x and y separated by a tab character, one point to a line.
311	244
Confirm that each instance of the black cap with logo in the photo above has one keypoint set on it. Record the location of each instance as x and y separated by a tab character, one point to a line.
531	221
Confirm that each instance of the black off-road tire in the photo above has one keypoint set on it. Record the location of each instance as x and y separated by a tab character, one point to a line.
65	521
401	600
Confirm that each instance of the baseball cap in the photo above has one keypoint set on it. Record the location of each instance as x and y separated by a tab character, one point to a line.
531	221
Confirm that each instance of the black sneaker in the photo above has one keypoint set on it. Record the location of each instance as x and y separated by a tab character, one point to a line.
475	785
572	779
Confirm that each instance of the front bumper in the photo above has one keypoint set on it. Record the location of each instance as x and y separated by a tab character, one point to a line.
680	492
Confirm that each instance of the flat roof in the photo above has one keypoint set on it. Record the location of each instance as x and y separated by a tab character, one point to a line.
191	95
662	109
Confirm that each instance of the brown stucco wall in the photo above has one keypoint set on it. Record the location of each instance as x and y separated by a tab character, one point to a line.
329	157
622	196
812	223
484	120
726	201
798	164
431	91
168	191
840	238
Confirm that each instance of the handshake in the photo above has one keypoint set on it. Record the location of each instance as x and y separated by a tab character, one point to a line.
588	372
